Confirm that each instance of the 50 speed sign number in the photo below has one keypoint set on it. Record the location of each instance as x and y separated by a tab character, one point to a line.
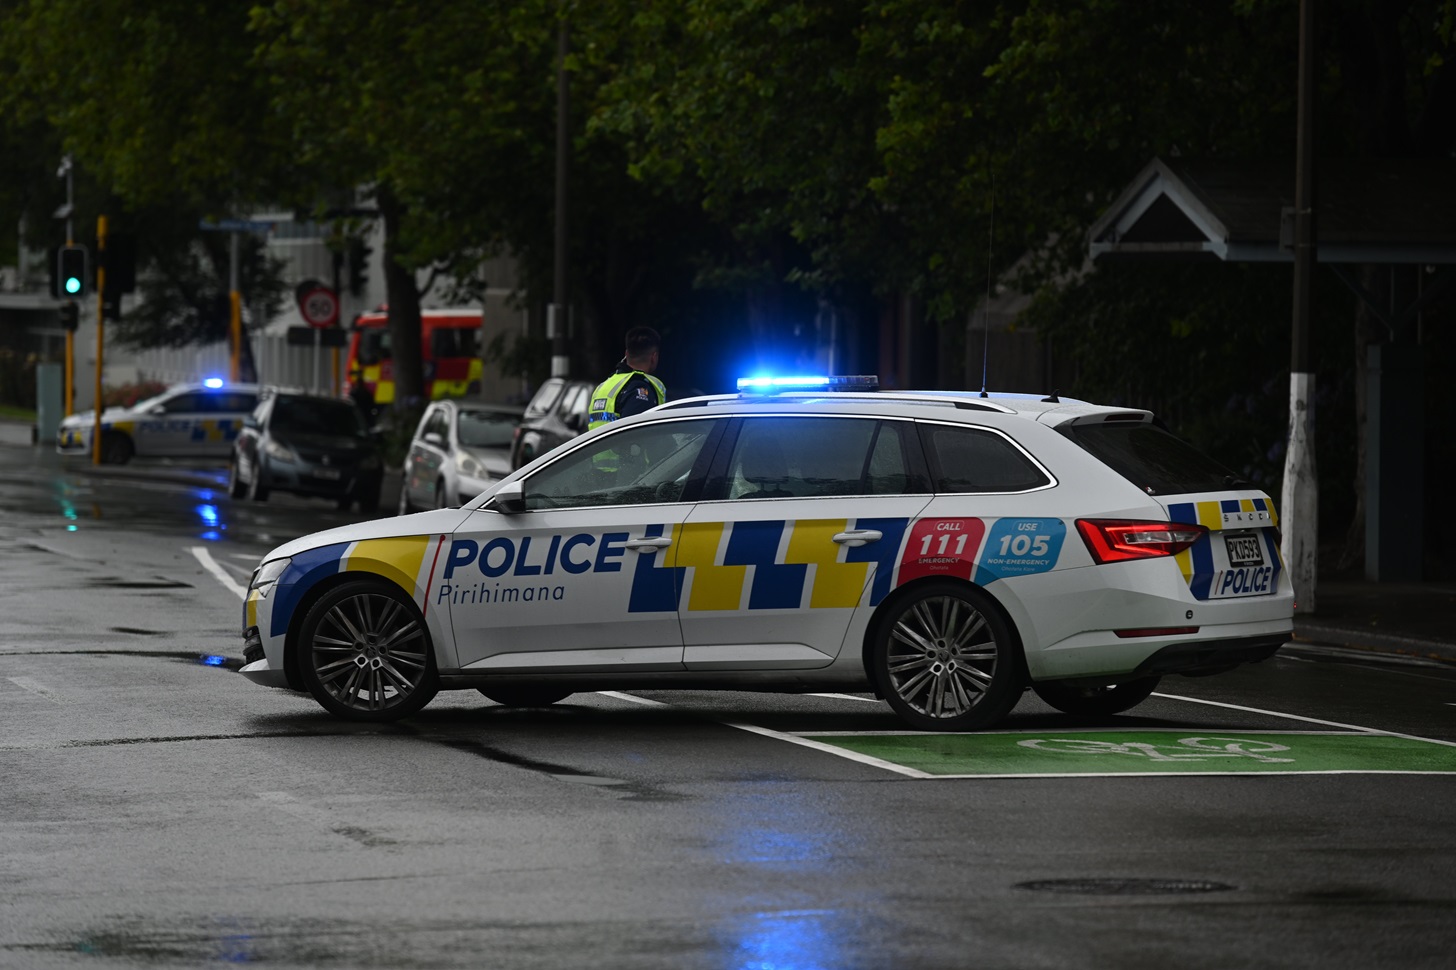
320	307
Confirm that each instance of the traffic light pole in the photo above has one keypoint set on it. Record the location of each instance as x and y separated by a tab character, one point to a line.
100	332
70	368
235	311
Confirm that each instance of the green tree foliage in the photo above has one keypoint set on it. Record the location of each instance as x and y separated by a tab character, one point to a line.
166	125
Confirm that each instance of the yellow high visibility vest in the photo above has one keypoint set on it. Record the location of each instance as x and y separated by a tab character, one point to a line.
604	398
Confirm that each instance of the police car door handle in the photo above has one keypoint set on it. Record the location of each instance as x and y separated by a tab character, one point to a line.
648	544
858	537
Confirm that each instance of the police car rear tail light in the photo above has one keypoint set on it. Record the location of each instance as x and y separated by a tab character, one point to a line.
1118	540
769	385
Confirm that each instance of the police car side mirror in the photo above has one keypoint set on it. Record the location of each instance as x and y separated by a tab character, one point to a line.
508	499
250	422
433	438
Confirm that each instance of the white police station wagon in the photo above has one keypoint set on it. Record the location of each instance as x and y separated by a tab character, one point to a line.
184	421
943	550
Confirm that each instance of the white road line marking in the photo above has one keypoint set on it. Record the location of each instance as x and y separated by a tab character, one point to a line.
845	753
629	697
35	687
1307	720
849	697
218	573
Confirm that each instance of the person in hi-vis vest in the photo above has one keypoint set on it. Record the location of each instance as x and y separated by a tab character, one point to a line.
631	388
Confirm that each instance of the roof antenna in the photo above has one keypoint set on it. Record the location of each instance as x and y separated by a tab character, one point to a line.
1053	399
986	307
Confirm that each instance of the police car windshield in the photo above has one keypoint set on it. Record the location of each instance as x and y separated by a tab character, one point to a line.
305	415
152	402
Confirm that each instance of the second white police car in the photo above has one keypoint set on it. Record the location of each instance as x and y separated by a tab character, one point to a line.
943	550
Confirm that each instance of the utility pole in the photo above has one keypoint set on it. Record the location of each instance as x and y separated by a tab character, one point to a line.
556	312
1299	501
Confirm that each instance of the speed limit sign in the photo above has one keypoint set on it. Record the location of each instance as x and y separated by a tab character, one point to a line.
319	306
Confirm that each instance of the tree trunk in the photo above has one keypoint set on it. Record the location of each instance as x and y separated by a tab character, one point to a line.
403	295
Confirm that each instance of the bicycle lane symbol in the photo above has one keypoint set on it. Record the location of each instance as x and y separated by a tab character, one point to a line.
1185	749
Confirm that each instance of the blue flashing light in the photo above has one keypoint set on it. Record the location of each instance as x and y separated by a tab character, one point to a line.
213	382
762	385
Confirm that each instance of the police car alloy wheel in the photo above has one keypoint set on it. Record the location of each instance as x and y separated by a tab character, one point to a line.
946	661
1092	699
366	655
508	696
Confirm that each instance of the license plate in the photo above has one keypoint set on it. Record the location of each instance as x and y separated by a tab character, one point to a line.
1244	550
332	474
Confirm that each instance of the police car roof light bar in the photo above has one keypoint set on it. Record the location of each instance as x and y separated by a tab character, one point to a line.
769	385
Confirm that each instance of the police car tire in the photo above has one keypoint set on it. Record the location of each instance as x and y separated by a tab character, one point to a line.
508	696
924	672
116	448
379	611
1092	699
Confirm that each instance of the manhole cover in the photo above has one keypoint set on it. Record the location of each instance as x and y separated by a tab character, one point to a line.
1124	887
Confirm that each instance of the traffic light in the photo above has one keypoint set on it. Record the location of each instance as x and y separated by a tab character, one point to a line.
72	272
119	258
358	266
70	315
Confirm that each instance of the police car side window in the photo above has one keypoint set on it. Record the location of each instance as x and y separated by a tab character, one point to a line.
888	471
791	457
184	404
973	460
640	465
236	402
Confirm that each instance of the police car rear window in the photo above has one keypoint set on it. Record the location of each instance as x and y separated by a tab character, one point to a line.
1154	460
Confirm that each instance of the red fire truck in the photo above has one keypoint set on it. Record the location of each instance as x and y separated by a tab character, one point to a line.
450	343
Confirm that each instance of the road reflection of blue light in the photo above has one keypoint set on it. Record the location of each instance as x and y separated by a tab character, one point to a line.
776	848
208	513
212	660
789	940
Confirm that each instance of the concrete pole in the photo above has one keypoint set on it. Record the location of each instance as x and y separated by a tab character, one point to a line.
1299	502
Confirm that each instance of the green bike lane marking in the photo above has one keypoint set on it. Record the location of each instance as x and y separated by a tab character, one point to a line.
1185	751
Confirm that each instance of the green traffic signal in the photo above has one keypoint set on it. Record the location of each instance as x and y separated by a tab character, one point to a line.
73	270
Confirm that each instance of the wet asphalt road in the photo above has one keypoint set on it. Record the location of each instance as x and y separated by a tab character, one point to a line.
157	811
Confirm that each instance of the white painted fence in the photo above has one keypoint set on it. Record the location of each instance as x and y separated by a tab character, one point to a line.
278	363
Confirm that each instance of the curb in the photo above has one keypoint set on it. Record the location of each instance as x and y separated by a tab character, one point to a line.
1332	635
